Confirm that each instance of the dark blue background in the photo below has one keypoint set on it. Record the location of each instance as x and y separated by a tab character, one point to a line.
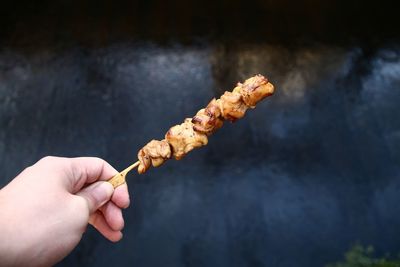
309	172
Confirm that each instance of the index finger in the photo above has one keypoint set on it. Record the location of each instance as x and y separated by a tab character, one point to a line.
74	173
86	170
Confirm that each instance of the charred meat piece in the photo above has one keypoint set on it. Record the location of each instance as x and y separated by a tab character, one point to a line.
183	138
154	153
231	105
208	120
254	90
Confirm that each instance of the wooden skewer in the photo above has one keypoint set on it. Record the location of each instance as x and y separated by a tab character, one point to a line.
257	80
119	178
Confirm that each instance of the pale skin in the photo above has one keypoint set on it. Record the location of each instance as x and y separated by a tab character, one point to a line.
45	210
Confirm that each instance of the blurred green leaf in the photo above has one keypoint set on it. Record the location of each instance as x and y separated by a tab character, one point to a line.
358	256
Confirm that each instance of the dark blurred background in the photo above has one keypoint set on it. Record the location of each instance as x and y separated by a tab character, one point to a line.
310	172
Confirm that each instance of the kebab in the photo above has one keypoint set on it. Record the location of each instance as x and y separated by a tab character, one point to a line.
194	132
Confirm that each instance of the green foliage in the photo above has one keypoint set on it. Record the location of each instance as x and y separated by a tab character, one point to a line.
359	256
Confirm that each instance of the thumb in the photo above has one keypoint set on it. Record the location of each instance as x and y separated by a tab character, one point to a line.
96	194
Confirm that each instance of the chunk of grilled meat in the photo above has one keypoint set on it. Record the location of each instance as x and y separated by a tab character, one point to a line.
154	153
183	139
208	119
254	90
232	106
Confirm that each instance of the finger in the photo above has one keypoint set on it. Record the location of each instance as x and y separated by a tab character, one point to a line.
113	216
96	195
89	169
76	172
99	222
121	196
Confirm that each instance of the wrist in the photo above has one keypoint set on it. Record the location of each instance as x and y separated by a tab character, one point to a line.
7	253
24	240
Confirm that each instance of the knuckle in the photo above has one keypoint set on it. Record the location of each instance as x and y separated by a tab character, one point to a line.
47	159
100	160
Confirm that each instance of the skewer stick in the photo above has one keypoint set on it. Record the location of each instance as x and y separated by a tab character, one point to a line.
119	178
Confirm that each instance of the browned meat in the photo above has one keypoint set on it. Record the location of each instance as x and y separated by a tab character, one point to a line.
208	120
154	153
183	138
254	89
231	105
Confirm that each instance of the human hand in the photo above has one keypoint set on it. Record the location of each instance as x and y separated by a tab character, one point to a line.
45	210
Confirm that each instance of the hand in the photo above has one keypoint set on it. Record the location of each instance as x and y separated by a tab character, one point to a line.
45	210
